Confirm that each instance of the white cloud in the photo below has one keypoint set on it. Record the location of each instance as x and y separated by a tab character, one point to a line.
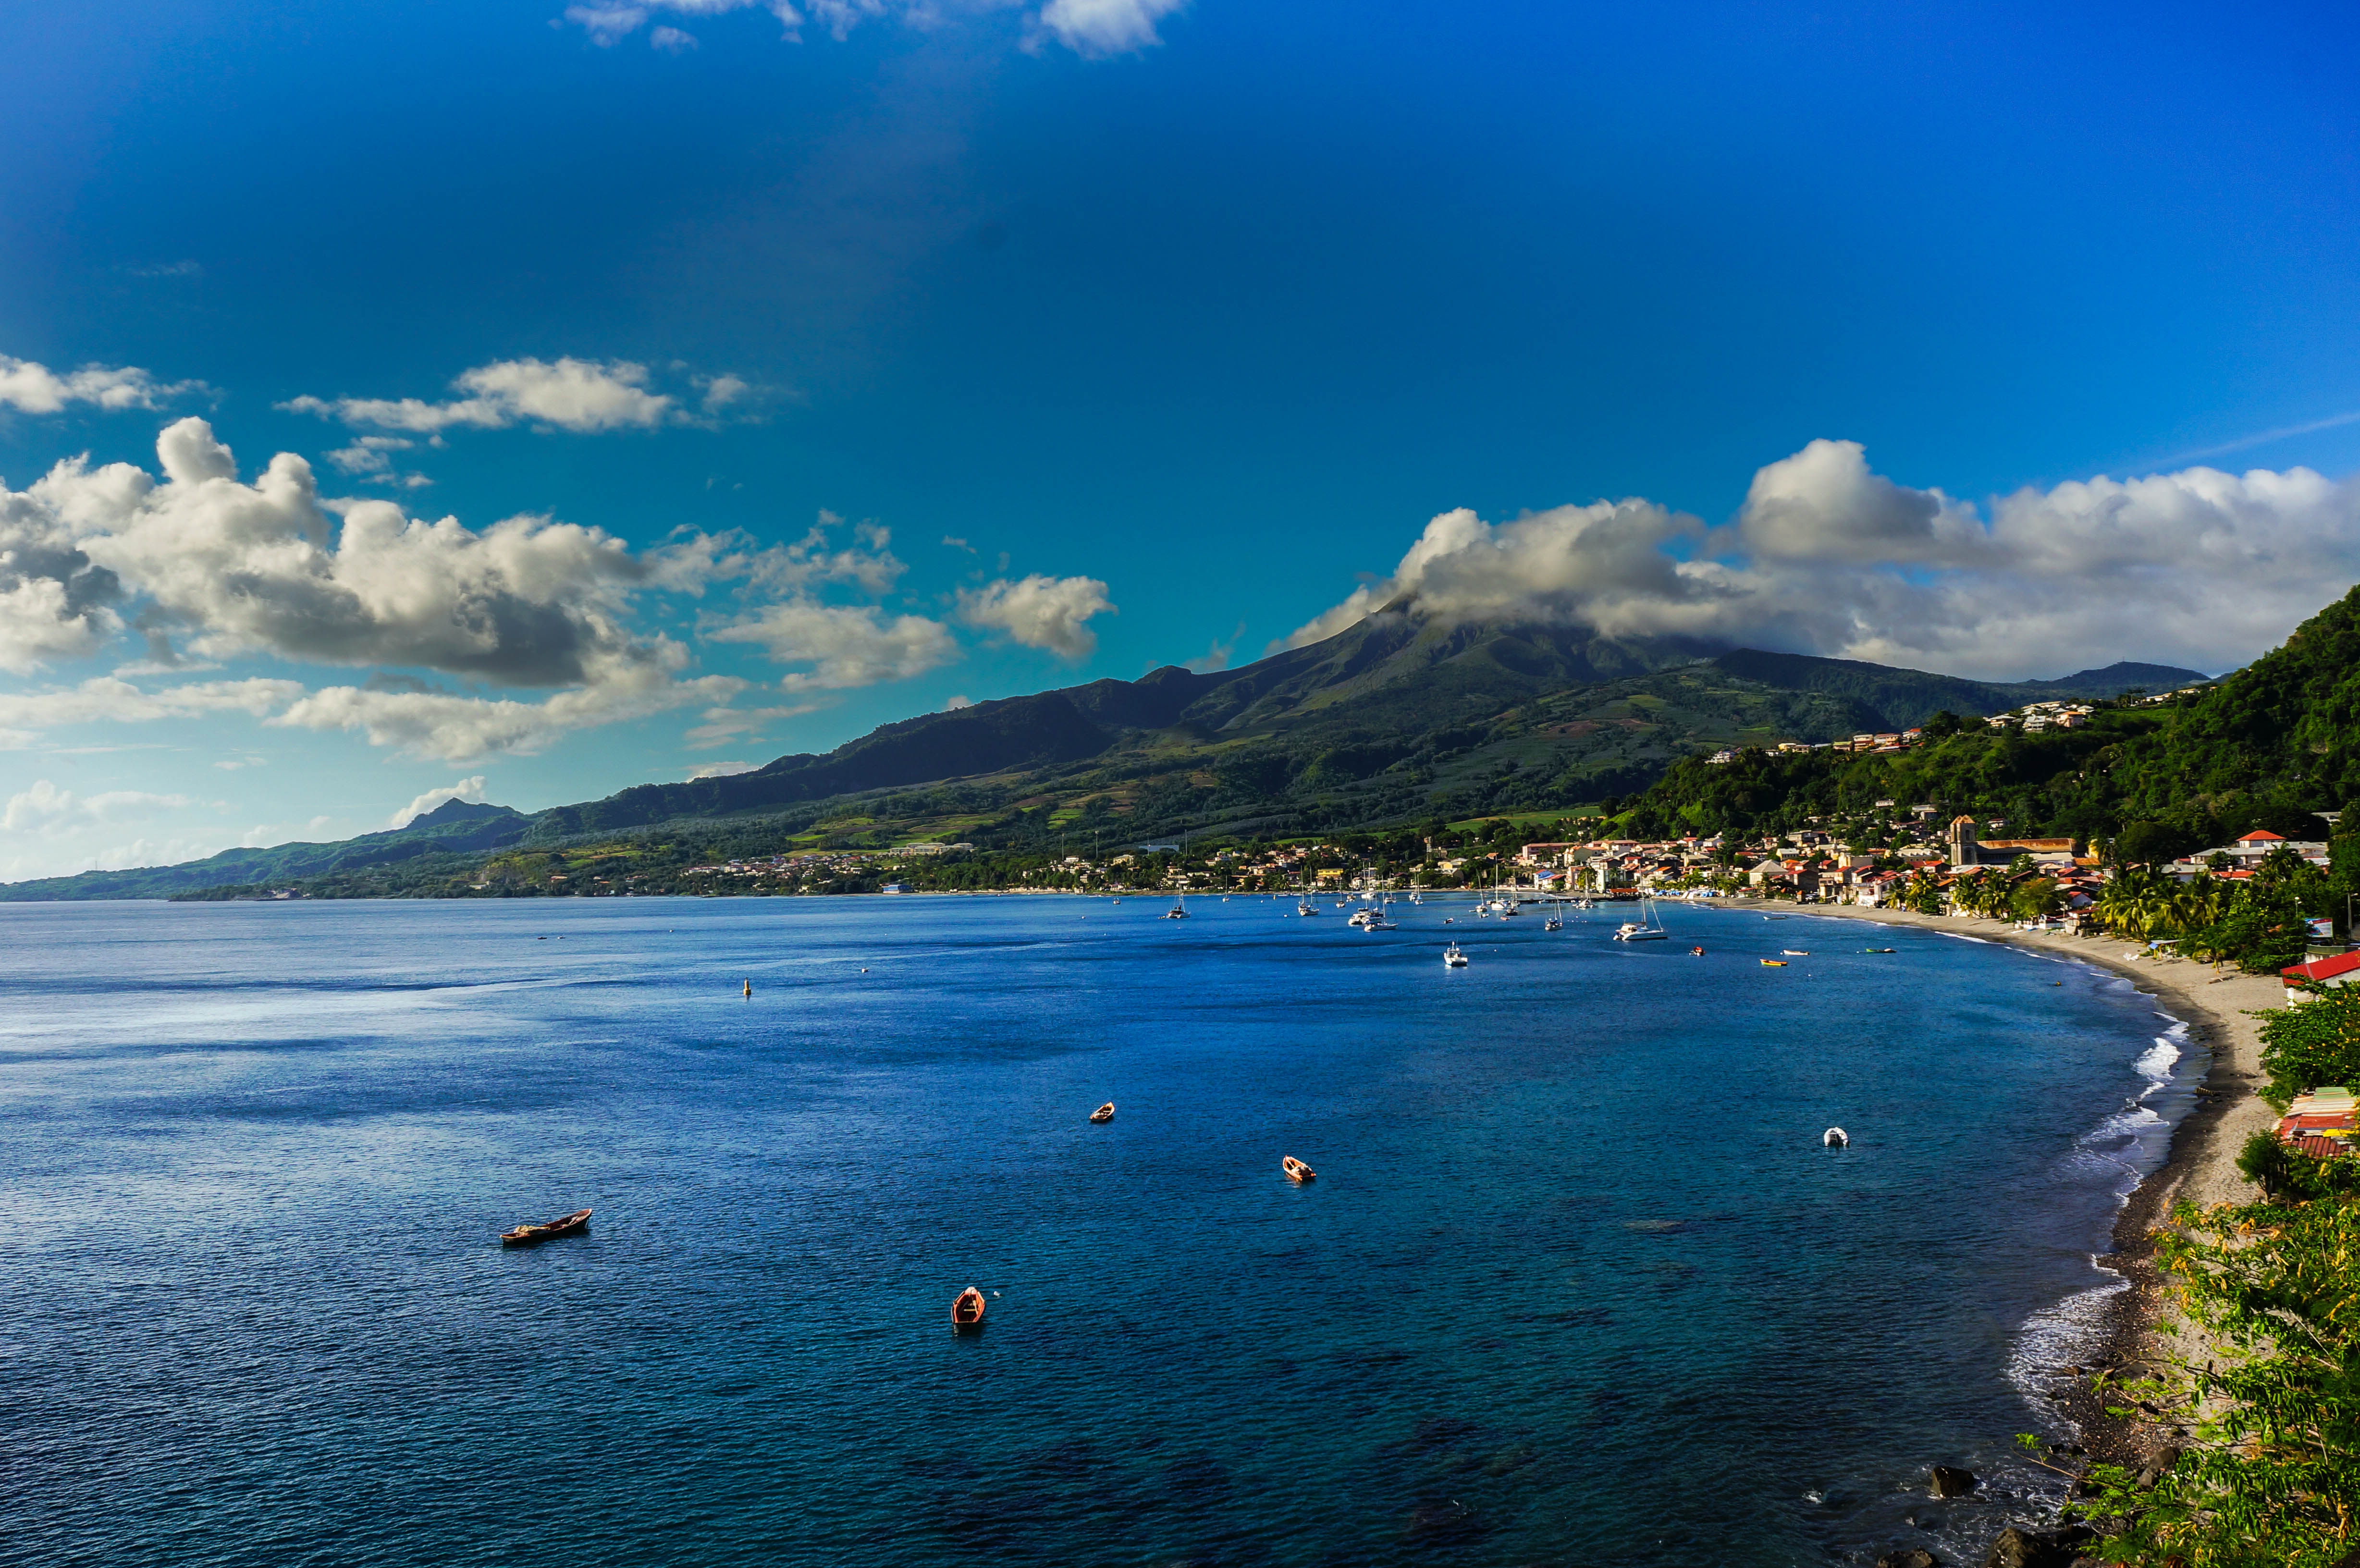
582	396
692	560
722	725
370	456
720	769
38	804
606	25
235	568
1091	28
955	700
1040	612
671	41
1096	29
44	804
107	699
847	645
263	567
468	789
2198	568
451	728
34	388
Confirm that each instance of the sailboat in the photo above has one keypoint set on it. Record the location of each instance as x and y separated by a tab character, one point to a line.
1179	909
1648	926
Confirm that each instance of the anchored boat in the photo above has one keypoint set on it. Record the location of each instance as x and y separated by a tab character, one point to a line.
1104	1112
1452	958
1296	1170
966	1312
529	1235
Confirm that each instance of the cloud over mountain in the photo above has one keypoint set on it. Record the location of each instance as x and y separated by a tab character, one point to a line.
1827	557
1040	612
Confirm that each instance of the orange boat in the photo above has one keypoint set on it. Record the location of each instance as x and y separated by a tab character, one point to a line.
527	1235
966	1312
1104	1112
1297	1171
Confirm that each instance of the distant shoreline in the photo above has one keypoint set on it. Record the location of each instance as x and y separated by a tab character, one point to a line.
2201	1165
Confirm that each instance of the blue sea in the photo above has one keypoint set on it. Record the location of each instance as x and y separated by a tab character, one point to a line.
1576	1282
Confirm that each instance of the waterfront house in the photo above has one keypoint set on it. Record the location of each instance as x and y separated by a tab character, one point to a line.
2304	981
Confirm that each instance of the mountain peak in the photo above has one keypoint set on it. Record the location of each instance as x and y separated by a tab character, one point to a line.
451	811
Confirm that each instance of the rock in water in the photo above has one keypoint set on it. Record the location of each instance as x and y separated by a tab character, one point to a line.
2023	1548
1950	1482
2015	1549
1915	1557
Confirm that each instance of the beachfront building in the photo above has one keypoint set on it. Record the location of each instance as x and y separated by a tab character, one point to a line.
2320	1123
1969	848
2304	981
2242	857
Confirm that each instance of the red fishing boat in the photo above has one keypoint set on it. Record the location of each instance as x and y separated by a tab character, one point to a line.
527	1235
966	1312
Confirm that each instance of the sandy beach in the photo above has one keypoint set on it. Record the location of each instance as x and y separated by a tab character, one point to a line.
2217	1005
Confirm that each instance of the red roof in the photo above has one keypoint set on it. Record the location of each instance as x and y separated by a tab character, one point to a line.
2258	834
2322	968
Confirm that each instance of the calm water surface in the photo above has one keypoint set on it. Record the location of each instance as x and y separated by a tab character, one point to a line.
1576	1284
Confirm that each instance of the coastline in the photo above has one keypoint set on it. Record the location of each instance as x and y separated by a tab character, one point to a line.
2200	1166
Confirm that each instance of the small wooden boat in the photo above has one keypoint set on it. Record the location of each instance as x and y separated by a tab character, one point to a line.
1773	964
1796	952
1296	1170
527	1235
966	1312
1104	1112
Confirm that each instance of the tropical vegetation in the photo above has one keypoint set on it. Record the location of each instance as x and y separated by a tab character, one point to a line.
2269	1476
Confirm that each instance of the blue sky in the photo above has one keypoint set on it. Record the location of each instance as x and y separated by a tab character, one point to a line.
1187	321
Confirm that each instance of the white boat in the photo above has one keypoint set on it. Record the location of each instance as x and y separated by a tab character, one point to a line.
1179	909
1836	1138
1554	922
1452	958
1646	928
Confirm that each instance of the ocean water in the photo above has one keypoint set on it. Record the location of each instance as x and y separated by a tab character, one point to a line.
1576	1282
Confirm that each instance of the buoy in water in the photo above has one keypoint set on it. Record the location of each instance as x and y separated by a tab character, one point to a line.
1836	1138
749	988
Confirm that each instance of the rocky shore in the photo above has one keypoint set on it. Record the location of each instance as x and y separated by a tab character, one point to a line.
2201	1167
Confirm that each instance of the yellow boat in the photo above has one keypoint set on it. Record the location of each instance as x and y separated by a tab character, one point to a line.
1773	964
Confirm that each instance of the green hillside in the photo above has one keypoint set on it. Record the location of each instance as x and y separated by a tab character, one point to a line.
453	829
2268	746
1398	719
